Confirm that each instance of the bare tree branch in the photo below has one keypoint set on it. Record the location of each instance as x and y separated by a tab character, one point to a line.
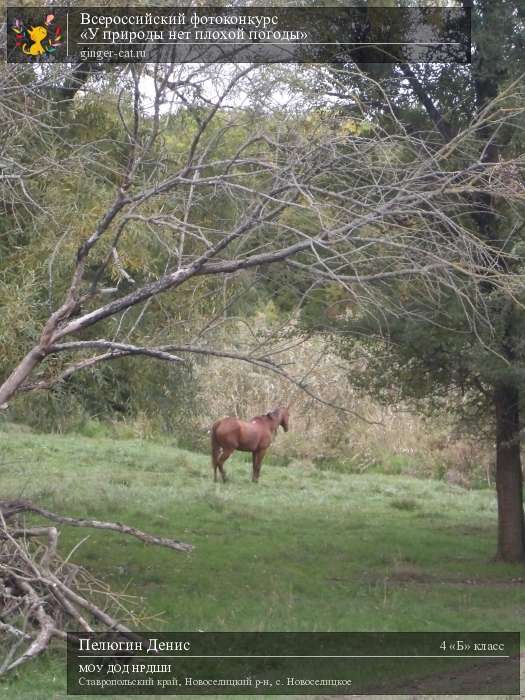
26	506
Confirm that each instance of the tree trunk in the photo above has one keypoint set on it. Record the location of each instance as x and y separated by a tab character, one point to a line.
18	376
509	476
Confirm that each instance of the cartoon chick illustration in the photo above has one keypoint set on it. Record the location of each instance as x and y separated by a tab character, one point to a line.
41	43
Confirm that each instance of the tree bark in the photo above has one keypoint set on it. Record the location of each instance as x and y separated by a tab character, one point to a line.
509	475
19	375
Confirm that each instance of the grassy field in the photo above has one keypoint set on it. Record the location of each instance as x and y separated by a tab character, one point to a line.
303	550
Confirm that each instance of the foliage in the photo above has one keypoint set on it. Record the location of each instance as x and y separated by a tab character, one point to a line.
443	346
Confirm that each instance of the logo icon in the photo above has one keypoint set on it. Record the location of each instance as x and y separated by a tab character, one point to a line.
39	40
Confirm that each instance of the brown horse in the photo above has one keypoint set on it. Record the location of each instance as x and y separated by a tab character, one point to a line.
255	436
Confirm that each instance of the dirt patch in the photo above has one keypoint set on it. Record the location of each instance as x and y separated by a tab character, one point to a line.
412	576
464	681
468	530
418	577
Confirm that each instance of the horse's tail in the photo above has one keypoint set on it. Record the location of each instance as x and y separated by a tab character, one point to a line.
215	449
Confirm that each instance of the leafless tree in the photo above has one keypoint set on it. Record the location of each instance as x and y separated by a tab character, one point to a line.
355	207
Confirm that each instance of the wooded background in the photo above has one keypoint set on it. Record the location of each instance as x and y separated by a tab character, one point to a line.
349	238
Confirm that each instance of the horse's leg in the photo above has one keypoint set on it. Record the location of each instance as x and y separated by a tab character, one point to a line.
226	452
257	462
215	455
215	463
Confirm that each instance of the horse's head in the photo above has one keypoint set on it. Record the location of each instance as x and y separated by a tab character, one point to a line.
280	416
283	418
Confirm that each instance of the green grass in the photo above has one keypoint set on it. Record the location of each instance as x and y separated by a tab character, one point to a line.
304	549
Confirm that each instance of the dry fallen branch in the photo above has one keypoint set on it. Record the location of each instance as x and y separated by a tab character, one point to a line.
43	596
27	506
